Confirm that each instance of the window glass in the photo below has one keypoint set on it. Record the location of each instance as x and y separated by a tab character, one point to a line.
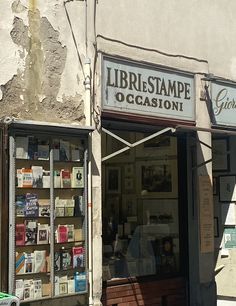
140	207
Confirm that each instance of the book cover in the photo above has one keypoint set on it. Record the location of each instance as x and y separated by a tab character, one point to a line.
29	263
65	259
77	177
65	178
57	178
27	178
39	261
30	232
20	262
75	152
31	205
20	234
71	286
80	281
79	207
64	152
44	207
71	232
28	289
78	256
19	292
37	288
33	148
20	205
19	178
37	173
43	233
62	233
43	151
46	179
57	261
22	147
59	207
69	207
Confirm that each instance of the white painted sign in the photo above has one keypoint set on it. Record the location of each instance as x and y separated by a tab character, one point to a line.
223	99
145	90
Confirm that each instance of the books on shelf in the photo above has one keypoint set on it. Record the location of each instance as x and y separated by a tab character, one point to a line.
77	177
43	233
30	232
39	261
43	151
31	205
20	234
78	256
27	178
65	178
37	173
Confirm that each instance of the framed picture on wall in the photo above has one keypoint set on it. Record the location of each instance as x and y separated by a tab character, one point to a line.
157	179
161	145
113	179
227	188
220	154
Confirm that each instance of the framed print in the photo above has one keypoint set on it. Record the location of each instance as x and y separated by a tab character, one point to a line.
227	188
220	156
216	227
160	146
113	179
157	179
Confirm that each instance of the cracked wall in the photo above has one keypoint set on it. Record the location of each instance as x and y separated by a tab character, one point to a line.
35	89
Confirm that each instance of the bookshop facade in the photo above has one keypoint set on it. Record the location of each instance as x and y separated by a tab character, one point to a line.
145	182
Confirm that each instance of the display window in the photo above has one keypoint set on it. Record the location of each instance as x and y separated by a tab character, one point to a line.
141	230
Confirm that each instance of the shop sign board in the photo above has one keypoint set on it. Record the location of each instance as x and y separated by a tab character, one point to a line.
223	97
134	88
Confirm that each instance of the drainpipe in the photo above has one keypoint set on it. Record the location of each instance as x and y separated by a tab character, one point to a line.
87	111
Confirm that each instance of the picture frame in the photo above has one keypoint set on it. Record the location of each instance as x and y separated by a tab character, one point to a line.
220	154
113	179
160	146
157	178
227	188
216	227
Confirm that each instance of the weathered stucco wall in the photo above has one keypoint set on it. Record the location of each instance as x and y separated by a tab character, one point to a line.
199	28
41	76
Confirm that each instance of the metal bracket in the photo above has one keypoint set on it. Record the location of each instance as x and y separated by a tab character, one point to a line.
132	145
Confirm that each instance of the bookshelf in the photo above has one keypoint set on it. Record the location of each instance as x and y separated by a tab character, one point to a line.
47	216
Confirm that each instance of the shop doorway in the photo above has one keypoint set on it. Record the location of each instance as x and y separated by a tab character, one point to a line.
144	198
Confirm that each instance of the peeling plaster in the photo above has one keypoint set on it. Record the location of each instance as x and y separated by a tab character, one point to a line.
32	91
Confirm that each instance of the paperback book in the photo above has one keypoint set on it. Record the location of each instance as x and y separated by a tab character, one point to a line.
30	232
65	259
71	232
19	292
78	256
44	207
62	233
20	262
46	179
29	263
65	178
39	261
20	234
43	233
28	289
57	261
31	205
20	205
80	281
37	288
37	173
77	177
27	178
